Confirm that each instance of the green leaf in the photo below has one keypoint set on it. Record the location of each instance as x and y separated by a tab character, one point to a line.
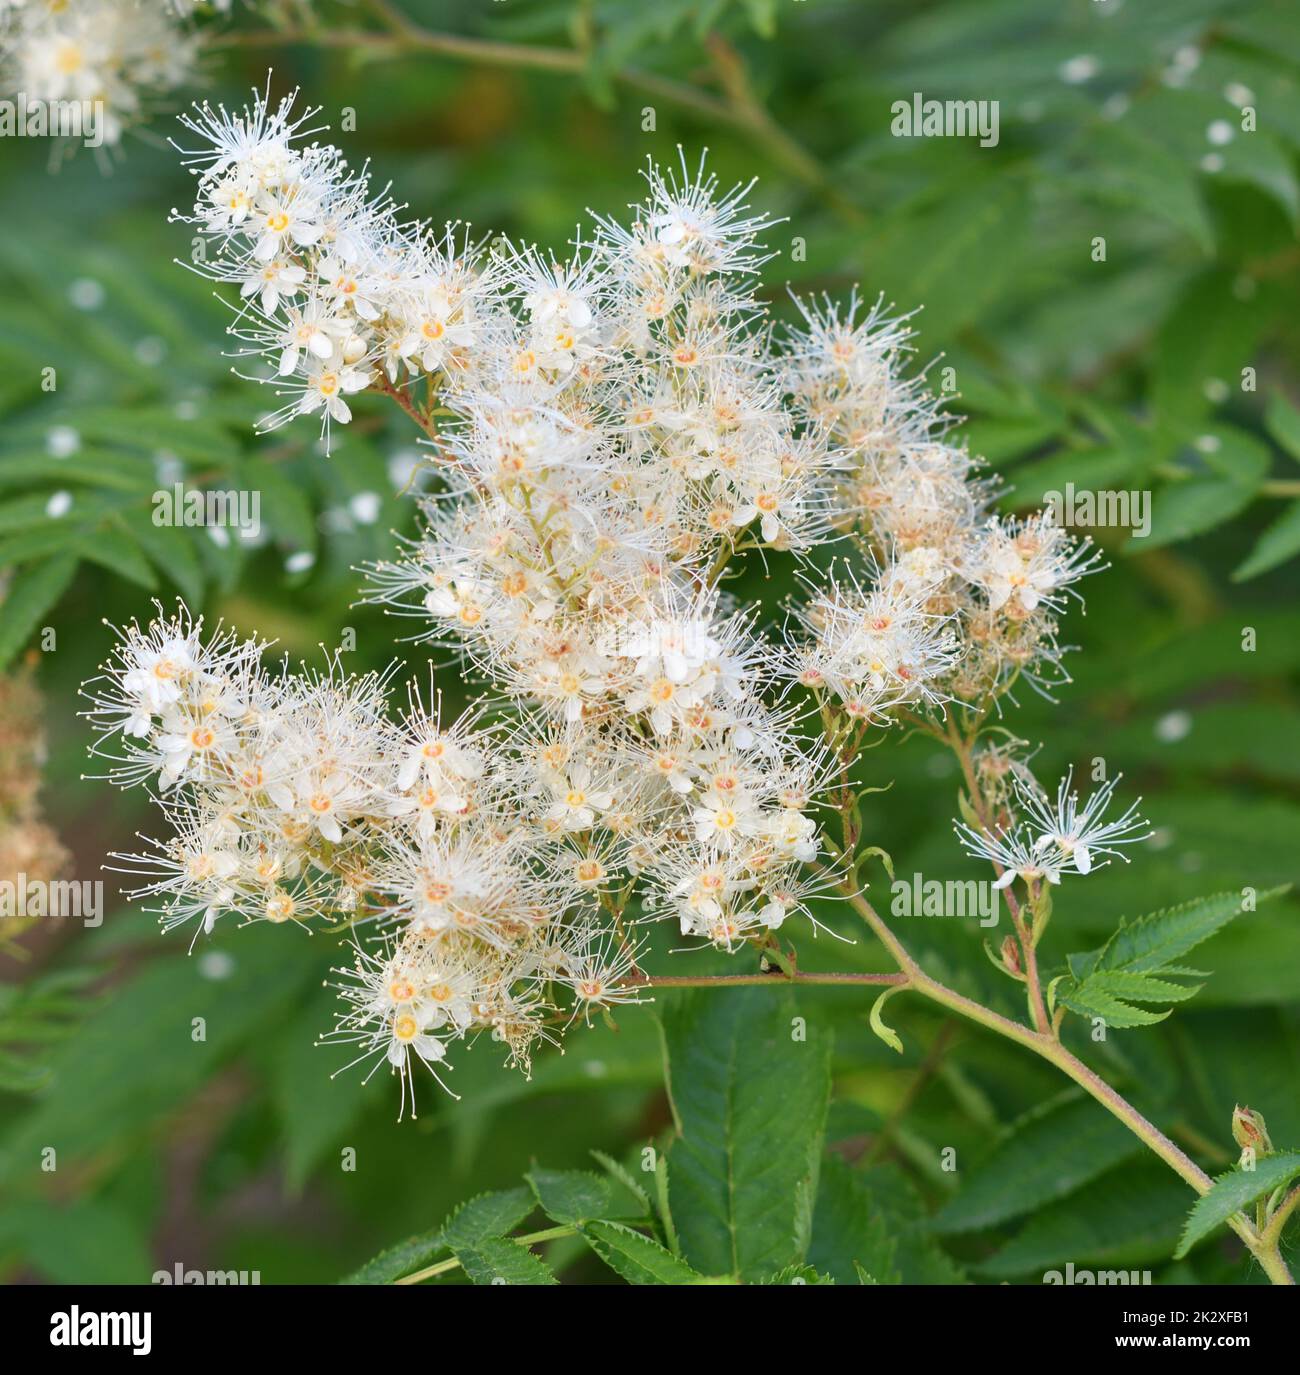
285	510
749	1100
1127	167
955	255
474	1221
1156	940
35	1016
1282	421
849	1230
87	1242
798	1274
576	1196
1095	1000
1048	1154
145	1050
494	1260
1107	982
1207	339
887	1034
172	550
918	1257
1281	541
32	592
488	1215
638	1258
403	1259
155	429
1234	1191
1185	509
111	548
1126	1218
620	1172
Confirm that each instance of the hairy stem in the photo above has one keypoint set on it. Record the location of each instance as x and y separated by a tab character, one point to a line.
961	747
1048	1048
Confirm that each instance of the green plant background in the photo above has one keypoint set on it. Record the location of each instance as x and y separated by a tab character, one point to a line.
228	1153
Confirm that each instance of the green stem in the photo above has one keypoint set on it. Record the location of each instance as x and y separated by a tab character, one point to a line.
775	977
452	1263
1048	1048
1273	1233
401	36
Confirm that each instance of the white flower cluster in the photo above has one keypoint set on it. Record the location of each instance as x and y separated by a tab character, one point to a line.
121	55
997	584
338	294
294	797
611	429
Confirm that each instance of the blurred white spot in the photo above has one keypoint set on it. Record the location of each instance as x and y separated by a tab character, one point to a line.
219	537
59	504
1238	94
168	467
61	441
1220	132
940	765
86	293
365	507
185	410
1216	390
1079	69
1187	58
1115	106
216	964
1174	726
1212	162
1161	838
150	350
595	1069
299	562
1208	443
403	466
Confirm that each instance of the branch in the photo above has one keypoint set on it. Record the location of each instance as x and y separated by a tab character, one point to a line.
1044	1045
774	977
741	110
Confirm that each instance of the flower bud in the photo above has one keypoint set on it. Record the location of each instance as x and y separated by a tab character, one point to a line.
1249	1131
1011	954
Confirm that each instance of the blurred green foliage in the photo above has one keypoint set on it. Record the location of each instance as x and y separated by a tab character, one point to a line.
1125	372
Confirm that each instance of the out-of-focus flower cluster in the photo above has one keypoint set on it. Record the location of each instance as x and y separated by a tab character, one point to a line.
120	56
611	428
30	851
